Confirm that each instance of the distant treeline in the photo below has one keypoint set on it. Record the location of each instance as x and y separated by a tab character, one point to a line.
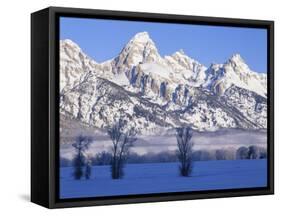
242	153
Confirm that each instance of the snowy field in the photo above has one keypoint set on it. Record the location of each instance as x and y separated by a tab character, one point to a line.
164	177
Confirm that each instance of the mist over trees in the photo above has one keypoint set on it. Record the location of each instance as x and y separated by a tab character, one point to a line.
122	137
242	153
203	155
251	152
80	159
102	158
184	151
122	140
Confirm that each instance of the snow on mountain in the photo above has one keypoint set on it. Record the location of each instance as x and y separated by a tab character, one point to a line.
140	49
186	68
103	103
234	72
153	92
73	64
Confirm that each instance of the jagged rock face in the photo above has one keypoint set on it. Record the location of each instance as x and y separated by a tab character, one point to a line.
250	104
154	93
140	49
180	95
102	103
187	68
73	64
234	72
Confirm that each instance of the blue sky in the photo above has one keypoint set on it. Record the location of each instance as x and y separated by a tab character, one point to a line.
104	39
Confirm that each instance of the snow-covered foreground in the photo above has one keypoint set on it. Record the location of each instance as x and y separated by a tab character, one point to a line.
164	177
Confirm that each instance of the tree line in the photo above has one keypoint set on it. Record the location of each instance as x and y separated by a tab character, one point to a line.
123	138
251	152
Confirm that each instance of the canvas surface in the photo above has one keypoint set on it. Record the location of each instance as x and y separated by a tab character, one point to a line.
152	108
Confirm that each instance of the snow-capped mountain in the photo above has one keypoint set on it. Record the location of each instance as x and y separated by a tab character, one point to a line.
234	72
73	64
155	93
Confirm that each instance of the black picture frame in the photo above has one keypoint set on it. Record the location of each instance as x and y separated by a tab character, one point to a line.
45	109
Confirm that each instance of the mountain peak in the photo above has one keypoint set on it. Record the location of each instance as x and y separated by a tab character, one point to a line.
238	64
141	37
69	43
140	48
236	58
179	52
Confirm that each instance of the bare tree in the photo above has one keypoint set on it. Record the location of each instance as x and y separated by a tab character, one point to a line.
184	151
102	158
221	154
254	152
242	153
88	169
122	141
81	145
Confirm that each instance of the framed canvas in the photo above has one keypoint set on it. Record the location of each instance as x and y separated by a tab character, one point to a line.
138	107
